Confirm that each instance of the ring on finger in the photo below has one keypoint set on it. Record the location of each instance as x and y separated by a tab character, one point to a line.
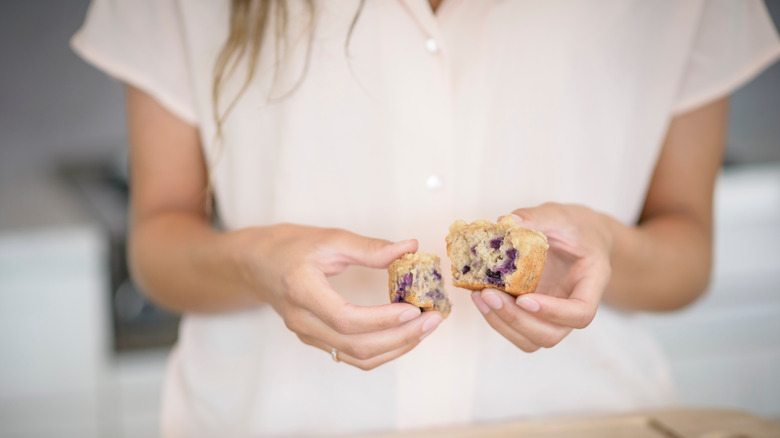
334	354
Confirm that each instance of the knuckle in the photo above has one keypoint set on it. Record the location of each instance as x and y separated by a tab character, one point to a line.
549	341
366	366
293	290
341	324
525	213
361	352
295	320
331	235
305	339
584	319
580	208
554	207
293	324
289	279
411	338
528	348
512	317
605	268
555	314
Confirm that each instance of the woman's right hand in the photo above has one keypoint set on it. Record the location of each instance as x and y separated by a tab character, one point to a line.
288	265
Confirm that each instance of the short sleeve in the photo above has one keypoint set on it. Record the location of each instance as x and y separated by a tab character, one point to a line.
734	42
142	43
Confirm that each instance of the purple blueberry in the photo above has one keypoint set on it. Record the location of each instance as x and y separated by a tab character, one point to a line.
435	294
403	288
406	282
509	265
492	274
496	243
440	301
465	269
436	274
494	278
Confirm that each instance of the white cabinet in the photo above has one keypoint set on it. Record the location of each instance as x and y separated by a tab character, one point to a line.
58	376
53	332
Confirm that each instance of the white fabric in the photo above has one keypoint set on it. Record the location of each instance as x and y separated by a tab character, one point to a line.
520	103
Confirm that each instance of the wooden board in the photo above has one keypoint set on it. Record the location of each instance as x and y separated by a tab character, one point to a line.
682	423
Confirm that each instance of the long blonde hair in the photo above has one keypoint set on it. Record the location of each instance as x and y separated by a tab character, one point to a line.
248	24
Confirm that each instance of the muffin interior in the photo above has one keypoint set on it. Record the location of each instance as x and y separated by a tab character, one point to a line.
483	256
418	281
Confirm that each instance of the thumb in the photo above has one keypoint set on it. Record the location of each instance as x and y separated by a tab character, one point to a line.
545	218
373	253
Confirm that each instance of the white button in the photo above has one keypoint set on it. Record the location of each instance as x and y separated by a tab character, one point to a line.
434	182
432	45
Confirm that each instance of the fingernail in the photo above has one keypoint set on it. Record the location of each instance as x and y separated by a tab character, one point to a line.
492	300
479	303
528	303
429	325
517	218
410	314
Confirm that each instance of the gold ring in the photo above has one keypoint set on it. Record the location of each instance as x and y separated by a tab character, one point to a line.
334	354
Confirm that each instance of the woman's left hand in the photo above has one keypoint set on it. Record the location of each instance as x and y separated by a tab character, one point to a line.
573	281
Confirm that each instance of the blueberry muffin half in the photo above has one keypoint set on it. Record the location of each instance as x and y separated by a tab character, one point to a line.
503	256
416	279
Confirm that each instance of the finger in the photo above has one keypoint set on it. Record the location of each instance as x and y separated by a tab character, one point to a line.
502	327
365	365
577	311
536	330
311	291
370	252
549	218
368	345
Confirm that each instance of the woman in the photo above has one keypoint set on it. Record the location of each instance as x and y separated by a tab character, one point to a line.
337	136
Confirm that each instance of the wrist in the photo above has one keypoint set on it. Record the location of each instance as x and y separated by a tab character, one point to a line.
610	229
244	251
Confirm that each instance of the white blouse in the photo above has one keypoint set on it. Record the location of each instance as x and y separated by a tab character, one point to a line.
481	108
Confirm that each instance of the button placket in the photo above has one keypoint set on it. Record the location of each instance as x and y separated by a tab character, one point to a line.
436	180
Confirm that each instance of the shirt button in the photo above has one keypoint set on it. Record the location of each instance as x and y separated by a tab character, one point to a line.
434	182
432	45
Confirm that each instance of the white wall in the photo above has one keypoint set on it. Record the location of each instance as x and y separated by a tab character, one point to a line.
52	105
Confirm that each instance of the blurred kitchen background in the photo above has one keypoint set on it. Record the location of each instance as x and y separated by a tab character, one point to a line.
82	354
